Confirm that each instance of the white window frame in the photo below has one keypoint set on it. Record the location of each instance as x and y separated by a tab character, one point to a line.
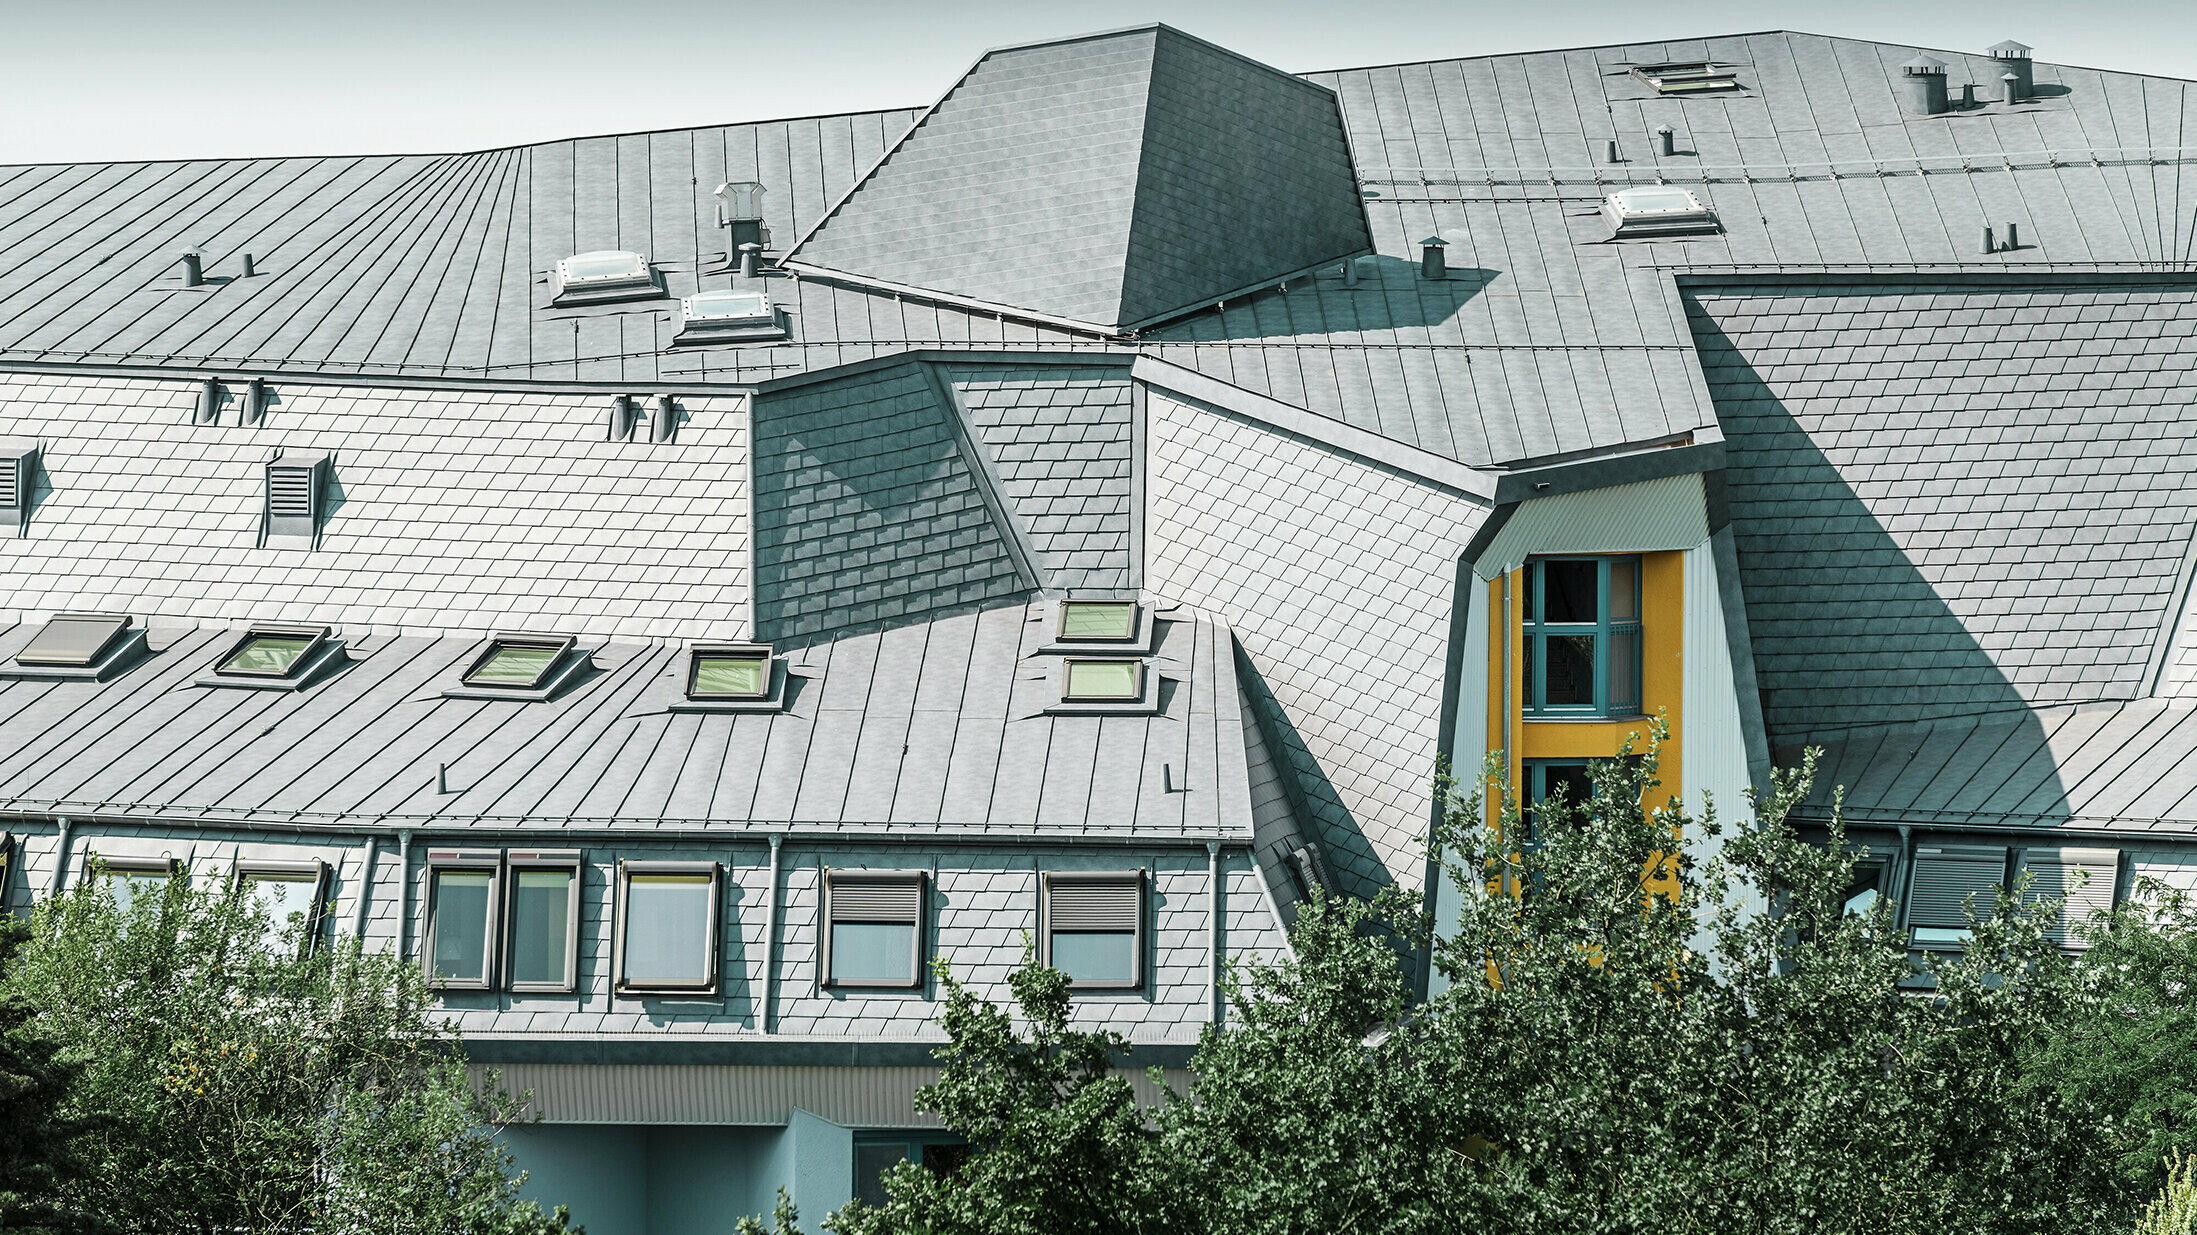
712	964
490	860
566	860
255	870
829	917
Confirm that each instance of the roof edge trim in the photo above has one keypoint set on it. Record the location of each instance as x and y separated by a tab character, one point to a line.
1419	464
828	274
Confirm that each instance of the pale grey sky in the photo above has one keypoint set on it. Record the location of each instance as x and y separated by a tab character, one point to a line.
132	79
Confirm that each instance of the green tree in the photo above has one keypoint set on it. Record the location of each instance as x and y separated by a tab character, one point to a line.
2175	1210
43	1166
1629	1041
245	1081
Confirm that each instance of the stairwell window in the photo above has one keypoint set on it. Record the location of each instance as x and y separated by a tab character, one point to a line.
1582	637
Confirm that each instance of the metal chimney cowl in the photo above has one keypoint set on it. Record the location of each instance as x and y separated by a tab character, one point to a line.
1922	86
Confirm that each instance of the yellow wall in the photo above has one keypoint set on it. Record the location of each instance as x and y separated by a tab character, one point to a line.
1662	661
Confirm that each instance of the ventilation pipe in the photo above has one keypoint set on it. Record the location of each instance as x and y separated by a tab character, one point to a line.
1350	272
1612	155
1922	86
251	402
1432	265
2013	237
751	259
208	408
2012	88
1990	242
619	426
664	425
1666	140
249	268
194	274
2013	61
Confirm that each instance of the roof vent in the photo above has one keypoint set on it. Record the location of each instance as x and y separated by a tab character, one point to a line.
1432	264
2013	61
194	274
1657	210
740	208
295	487
1687	77
18	480
1922	86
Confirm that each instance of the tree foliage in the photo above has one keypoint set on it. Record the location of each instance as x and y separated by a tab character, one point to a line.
245	1082
43	1156
1630	1040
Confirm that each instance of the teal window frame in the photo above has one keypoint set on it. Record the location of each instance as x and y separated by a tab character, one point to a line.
1605	632
1533	775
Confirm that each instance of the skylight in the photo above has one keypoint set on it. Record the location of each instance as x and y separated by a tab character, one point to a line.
518	662
1657	208
1104	681
729	308
75	640
729	671
1686	77
1098	621
603	267
272	651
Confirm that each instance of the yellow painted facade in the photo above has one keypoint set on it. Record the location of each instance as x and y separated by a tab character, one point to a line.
1662	671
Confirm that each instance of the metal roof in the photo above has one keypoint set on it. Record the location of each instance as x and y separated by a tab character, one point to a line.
935	729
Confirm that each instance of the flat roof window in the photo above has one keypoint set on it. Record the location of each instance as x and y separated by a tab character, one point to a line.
1687	77
728	308
75	640
603	268
126	879
272	651
1648	209
729	671
291	893
873	932
518	662
1091	927
1098	621
462	887
1946	883
667	927
1104	681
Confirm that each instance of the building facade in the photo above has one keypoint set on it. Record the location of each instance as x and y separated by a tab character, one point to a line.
672	585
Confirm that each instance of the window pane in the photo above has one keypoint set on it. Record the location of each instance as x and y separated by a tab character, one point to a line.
285	899
668	924
1624	670
1102	679
607	264
127	886
1861	901
1569	676
1086	619
461	925
1551	780
541	909
1624	590
1095	956
1941	934
267	654
730	675
515	664
71	641
870	1164
873	952
1570	591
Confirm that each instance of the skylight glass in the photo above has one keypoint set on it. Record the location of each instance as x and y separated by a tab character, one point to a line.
1098	621
1104	681
603	266
272	652
74	639
729	671
1658	200
727	307
517	662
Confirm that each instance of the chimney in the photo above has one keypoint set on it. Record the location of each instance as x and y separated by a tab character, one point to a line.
1922	86
2013	61
193	274
1431	263
1667	139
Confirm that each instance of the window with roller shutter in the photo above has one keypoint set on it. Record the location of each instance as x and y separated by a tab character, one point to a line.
2086	878
1091	927
873	928
1944	879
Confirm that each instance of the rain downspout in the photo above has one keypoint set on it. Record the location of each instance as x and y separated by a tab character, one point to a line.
61	856
404	896
1213	931
366	887
770	943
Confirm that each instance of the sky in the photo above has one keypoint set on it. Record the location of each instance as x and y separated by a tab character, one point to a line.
131	79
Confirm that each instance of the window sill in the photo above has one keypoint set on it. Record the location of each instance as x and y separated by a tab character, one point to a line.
1532	719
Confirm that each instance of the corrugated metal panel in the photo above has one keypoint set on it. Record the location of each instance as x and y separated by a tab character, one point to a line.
1636	518
732	1094
1712	759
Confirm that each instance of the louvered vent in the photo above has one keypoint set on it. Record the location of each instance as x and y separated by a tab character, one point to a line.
11	483
293	495
1946	876
17	459
1095	904
870	899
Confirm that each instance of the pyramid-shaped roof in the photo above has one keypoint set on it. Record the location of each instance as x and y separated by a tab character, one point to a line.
1111	180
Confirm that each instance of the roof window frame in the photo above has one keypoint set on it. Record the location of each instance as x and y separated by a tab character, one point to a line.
767	325
438	861
1049	882
713	943
560	648
290	870
834	912
319	641
1629	222
730	651
124	645
1068	665
517	862
1679	78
